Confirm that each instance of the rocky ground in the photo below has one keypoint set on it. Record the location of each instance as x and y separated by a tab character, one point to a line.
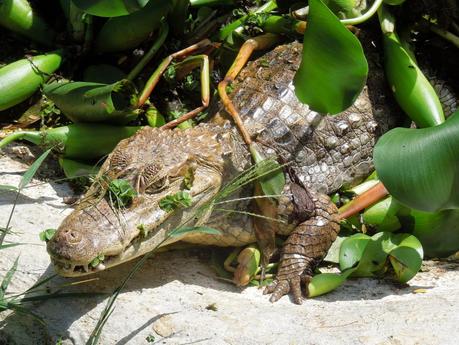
176	299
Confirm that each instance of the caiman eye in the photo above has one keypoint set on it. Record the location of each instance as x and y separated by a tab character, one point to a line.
149	179
156	186
118	162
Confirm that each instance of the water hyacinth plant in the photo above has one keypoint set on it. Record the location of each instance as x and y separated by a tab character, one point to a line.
113	53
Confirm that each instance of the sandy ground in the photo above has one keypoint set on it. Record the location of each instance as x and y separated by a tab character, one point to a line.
176	298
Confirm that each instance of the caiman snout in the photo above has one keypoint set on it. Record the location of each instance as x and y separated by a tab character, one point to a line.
69	236
86	234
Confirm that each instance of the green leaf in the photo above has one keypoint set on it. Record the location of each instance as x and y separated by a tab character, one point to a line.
20	17
411	89
438	232
194	229
97	260
75	168
374	256
351	250
8	187
333	252
128	32
325	282
409	241
121	192
364	256
47	234
273	182
110	8
420	167
7	279
30	173
103	73
22	78
180	199
8	245
406	263
94	102
383	215
333	69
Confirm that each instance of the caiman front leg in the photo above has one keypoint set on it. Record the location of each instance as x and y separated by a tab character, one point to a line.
304	249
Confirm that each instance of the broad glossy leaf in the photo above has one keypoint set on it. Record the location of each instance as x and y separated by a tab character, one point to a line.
406	262
325	282
438	232
110	8
409	241
374	256
351	250
103	73
383	215
420	167
333	252
333	69
21	79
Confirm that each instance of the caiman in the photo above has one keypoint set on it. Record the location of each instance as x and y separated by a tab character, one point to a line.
324	152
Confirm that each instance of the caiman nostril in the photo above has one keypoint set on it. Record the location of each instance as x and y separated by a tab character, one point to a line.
71	236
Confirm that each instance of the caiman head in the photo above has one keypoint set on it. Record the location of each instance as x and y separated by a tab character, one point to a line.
156	163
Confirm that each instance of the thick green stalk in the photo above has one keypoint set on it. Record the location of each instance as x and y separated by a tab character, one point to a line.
127	32
162	35
76	22
18	16
76	141
236	26
411	89
95	102
198	3
21	79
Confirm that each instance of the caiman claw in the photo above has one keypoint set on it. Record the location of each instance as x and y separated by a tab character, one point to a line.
304	249
293	277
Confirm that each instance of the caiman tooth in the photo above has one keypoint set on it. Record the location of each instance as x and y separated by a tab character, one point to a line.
85	268
100	267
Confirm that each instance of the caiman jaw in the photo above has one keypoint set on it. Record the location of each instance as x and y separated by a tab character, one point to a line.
116	236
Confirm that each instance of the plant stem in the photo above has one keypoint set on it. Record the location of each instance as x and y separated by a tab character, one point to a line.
162	35
450	37
196	3
367	15
236	26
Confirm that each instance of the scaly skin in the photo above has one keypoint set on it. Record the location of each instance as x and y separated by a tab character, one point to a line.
326	153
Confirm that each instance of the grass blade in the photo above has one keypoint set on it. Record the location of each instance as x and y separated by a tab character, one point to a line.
7	279
8	245
30	173
197	229
7	187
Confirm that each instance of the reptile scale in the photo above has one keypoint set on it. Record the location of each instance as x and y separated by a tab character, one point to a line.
324	152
